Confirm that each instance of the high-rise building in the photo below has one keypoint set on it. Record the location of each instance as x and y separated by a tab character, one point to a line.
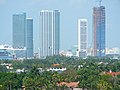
82	37
49	33
19	34
29	34
22	35
99	31
19	30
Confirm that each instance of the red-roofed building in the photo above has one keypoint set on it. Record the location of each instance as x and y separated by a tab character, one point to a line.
113	73
70	84
55	65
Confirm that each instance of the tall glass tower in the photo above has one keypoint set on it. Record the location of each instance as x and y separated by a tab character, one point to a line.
19	30
22	35
99	31
29	34
49	33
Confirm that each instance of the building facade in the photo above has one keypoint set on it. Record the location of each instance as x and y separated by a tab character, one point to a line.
29	38
22	35
99	31
19	30
82	37
6	52
49	33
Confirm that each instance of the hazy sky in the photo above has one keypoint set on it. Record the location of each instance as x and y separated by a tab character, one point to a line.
70	12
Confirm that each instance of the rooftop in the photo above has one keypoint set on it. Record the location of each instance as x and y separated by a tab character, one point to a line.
69	84
113	73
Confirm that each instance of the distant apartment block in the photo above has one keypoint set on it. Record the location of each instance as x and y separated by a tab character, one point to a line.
82	37
113	52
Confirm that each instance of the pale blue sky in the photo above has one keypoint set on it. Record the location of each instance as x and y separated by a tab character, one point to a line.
70	12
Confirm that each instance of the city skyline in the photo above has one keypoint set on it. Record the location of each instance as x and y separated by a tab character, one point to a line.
70	10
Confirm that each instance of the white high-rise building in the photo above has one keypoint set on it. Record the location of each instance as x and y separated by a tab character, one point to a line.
49	33
82	38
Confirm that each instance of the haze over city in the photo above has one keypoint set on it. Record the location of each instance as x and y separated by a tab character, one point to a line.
70	12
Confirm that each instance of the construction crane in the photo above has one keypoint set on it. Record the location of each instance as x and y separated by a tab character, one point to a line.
100	1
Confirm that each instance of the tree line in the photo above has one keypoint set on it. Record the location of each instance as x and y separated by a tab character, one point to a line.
88	72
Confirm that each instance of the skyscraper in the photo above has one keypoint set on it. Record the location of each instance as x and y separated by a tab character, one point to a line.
22	35
19	30
82	37
49	33
99	31
19	34
29	38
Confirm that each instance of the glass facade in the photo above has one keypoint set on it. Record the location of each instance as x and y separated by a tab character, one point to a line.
99	31
5	54
22	35
19	34
29	38
49	33
19	30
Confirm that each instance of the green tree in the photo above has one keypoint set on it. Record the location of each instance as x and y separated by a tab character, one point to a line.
3	69
88	77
